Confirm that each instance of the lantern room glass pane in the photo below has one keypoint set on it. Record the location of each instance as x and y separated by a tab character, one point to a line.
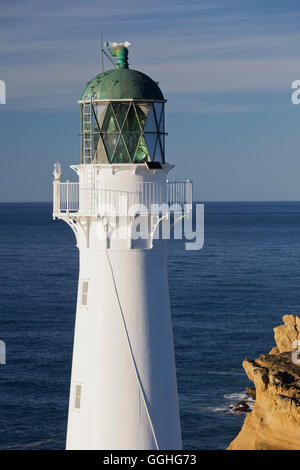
158	111
142	153
151	141
110	142
150	125
120	110
142	111
162	141
161	119
131	140
95	141
162	127
110	123
159	157
100	110
100	155
120	154
131	122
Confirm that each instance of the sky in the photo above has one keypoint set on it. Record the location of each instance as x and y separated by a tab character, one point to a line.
225	67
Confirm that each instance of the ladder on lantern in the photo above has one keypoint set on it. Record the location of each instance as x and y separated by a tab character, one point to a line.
87	130
88	191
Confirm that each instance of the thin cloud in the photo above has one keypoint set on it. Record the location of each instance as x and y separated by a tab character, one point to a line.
77	9
195	47
218	76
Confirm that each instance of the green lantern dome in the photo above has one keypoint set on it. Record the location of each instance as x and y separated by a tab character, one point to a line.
122	83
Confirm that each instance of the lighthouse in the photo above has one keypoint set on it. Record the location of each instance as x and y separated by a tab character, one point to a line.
123	391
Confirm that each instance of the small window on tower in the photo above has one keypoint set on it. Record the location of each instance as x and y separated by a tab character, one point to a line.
77	396
84	294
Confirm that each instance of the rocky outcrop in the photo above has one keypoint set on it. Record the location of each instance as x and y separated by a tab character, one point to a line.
274	422
241	407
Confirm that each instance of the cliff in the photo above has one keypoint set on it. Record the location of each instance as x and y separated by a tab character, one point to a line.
274	422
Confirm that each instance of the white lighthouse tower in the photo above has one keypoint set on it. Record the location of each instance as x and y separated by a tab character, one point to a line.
123	392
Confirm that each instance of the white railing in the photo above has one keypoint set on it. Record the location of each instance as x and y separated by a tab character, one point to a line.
105	199
68	197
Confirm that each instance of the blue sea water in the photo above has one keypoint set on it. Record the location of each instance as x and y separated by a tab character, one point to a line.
225	299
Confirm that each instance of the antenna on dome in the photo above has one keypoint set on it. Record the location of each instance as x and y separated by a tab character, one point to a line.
102	62
104	51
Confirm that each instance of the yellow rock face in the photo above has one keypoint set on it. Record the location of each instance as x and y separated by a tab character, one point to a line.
274	423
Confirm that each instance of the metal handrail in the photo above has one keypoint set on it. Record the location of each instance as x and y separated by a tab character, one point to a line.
75	198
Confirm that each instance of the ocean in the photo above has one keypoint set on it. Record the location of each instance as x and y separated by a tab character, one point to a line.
226	299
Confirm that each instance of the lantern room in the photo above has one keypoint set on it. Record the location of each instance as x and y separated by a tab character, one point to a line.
122	116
